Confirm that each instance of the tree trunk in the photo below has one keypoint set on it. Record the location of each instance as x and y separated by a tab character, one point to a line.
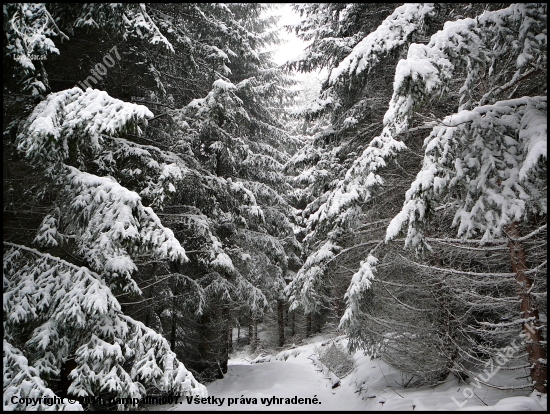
229	330
446	326
251	331
293	324
65	382
173	333
224	320
205	347
308	325
255	339
531	325
281	321
305	126
287	317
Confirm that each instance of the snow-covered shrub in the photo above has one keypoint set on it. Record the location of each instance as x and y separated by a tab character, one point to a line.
336	358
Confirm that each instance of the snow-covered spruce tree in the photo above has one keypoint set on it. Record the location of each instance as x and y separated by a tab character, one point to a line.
56	310
238	136
372	298
490	156
334	201
486	162
231	140
204	174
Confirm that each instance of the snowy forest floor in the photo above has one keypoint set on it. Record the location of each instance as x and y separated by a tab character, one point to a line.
371	385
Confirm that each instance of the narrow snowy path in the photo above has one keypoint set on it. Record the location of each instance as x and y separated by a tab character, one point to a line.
296	377
281	379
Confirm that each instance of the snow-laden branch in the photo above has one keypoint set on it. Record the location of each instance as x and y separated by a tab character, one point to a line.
494	155
393	32
481	275
68	307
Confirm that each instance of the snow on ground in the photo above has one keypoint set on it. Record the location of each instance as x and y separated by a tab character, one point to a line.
371	385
